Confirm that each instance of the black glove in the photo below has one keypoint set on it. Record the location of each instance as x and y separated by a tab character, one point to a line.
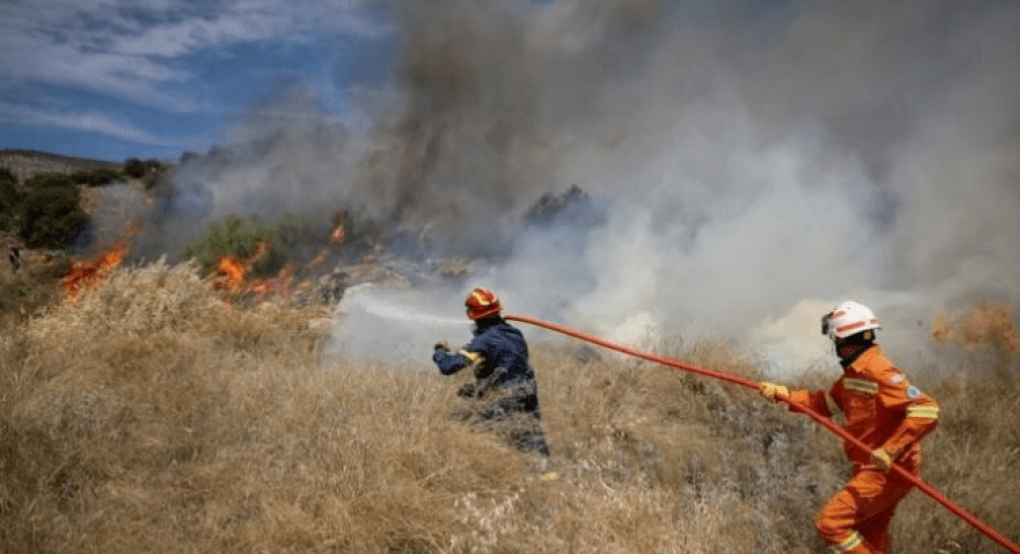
441	345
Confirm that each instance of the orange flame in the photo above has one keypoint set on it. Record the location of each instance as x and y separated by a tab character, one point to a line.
231	275
340	222
338	234
981	325
89	275
279	286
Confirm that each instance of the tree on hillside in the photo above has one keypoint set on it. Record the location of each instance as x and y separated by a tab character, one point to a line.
135	168
10	198
7	175
51	216
96	177
50	180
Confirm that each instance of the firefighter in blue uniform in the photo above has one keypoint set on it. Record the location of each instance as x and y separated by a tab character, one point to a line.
505	393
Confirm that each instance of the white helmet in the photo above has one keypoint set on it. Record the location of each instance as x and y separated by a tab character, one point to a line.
849	318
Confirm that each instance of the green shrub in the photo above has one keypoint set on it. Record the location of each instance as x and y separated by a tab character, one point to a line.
96	177
238	237
51	216
10	194
6	175
135	168
50	180
10	198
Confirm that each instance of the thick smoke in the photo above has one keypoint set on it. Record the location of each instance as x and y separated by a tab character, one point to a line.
757	162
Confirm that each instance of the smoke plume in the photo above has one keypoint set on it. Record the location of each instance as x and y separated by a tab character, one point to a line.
756	163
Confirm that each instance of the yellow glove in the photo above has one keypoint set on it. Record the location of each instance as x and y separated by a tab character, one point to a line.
770	391
882	458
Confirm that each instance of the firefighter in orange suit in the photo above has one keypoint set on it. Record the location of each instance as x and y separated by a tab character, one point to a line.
885	412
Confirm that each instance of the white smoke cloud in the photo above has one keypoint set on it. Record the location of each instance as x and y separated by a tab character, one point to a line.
756	207
757	165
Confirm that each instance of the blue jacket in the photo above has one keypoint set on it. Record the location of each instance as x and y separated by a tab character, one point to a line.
498	353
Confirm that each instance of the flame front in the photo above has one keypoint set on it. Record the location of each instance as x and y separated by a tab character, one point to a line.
231	275
89	275
982	325
338	234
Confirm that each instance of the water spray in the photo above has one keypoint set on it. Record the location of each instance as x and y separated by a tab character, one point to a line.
380	327
825	422
389	311
367	303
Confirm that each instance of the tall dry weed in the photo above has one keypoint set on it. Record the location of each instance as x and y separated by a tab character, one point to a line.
151	417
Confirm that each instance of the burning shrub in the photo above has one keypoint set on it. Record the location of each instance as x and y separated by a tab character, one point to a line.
51	216
980	326
250	240
88	275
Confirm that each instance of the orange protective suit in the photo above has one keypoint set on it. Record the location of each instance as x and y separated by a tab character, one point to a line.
881	409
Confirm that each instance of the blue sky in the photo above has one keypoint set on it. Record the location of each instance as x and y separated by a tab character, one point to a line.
113	79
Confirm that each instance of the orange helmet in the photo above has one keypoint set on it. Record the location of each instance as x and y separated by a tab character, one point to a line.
482	302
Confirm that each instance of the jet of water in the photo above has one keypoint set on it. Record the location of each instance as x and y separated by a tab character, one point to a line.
396	327
380	308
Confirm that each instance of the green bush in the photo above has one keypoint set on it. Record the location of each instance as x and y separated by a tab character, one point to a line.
96	177
238	237
6	175
51	216
50	180
135	168
10	198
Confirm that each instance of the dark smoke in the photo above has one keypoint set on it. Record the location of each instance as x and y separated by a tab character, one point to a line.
759	161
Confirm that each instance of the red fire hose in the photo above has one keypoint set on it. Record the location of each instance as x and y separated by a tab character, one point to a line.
825	422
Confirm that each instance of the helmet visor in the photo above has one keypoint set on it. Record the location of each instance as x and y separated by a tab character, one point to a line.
825	323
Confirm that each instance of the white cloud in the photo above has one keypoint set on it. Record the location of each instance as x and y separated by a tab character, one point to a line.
185	37
133	49
17	114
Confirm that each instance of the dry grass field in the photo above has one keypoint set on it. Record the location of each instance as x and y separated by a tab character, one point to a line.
151	417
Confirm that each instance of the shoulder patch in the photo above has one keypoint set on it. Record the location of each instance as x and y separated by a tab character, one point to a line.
913	392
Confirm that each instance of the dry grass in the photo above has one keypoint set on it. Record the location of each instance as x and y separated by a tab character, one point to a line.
150	417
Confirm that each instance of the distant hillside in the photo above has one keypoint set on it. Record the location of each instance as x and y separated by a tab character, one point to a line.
26	163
